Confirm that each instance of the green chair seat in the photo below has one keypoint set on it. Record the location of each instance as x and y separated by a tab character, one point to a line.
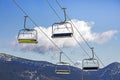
27	41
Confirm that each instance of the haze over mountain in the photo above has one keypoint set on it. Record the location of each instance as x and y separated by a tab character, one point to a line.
15	68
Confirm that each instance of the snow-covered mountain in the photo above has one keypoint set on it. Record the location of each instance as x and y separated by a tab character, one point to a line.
14	68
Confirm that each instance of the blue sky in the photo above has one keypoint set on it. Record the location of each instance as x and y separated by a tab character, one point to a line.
104	13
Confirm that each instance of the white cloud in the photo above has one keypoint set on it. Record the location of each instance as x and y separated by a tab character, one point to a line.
44	44
105	36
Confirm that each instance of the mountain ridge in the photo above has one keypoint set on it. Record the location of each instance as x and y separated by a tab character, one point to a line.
16	68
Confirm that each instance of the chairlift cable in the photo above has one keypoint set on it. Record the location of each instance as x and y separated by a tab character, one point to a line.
69	58
81	46
58	4
40	29
19	7
53	10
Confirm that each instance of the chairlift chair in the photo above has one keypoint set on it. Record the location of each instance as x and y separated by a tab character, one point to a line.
90	64
62	67
62	29
27	35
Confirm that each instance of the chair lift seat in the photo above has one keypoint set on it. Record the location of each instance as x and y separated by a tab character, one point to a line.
62	71
61	35
90	68
27	41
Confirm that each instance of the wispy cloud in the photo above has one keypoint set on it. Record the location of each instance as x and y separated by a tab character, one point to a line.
44	44
105	36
